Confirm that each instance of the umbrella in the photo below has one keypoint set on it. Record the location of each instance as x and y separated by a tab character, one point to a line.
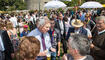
54	4
91	4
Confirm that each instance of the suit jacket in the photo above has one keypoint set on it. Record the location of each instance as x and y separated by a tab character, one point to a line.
56	36
57	25
7	45
72	30
98	52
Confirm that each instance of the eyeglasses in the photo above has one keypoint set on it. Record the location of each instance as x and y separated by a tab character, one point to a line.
52	23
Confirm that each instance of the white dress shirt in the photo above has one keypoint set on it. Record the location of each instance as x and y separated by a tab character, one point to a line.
101	31
14	21
37	34
1	42
83	58
88	32
31	19
77	31
61	26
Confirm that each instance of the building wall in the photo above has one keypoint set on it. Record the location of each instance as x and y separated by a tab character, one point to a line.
34	4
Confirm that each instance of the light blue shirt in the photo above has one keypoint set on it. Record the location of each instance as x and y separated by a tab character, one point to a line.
1	42
82	17
37	34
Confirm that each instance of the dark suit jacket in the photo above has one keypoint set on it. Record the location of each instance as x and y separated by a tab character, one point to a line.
72	30
7	45
58	27
57	37
98	52
63	37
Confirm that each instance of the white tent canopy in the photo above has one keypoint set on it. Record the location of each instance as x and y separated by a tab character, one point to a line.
91	4
54	4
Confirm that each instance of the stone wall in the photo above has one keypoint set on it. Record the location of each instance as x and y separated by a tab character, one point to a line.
34	4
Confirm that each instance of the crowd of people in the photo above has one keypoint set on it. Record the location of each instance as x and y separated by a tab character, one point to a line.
43	35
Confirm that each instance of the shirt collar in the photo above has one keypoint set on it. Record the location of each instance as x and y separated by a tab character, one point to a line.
38	32
83	58
101	31
77	31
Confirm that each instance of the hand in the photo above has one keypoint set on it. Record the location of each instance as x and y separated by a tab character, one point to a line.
64	57
92	46
12	55
43	53
58	53
53	49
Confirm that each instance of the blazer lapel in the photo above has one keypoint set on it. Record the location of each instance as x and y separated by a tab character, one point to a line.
1	33
58	25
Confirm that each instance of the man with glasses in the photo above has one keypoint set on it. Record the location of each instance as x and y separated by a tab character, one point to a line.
98	44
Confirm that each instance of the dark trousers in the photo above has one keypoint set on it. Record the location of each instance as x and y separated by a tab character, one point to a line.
64	42
8	57
2	55
41	58
53	56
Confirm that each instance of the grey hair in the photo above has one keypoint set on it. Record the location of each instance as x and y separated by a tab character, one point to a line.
80	43
100	18
42	21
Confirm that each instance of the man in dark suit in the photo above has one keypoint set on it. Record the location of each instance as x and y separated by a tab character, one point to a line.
60	24
55	39
98	44
77	28
6	46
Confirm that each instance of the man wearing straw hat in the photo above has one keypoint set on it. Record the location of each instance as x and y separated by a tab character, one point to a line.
77	28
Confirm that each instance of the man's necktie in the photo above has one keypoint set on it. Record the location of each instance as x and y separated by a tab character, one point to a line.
43	42
52	36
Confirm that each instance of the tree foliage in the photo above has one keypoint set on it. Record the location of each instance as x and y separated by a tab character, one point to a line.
73	2
76	2
101	1
20	5
12	5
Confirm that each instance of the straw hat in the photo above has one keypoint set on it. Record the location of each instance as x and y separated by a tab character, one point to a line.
77	23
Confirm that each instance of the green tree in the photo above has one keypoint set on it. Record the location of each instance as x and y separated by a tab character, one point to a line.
17	5
101	1
3	4
73	2
12	5
76	2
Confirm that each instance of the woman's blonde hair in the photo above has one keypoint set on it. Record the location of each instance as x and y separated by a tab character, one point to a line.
29	48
